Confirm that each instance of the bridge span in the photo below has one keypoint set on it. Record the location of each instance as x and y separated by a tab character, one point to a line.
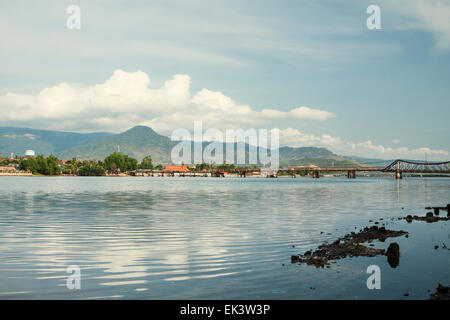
398	167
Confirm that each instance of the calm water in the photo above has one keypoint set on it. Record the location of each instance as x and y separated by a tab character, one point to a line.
189	238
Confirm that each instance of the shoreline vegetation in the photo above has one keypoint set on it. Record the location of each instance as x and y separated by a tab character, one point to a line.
115	164
122	165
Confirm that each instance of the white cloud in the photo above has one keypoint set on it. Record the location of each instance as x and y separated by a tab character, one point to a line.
296	138
308	113
425	15
126	100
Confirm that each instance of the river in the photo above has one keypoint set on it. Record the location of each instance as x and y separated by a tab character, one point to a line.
213	238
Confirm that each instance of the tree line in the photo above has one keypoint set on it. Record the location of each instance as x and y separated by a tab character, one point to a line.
114	163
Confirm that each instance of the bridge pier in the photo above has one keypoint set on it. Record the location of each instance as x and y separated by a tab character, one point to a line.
315	174
351	174
398	174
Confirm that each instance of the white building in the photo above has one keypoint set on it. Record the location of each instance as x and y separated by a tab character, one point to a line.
30	153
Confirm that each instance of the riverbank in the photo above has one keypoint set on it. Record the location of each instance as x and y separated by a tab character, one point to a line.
16	174
232	238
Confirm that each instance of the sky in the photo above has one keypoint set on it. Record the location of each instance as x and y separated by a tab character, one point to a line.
313	69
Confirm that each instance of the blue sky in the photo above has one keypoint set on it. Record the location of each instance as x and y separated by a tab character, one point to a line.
311	68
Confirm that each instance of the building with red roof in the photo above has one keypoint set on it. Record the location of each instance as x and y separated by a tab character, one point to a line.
175	168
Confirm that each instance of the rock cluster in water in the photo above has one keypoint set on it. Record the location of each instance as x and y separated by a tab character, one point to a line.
350	245
429	218
442	293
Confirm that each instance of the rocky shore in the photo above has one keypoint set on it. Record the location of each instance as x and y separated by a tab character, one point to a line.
350	246
429	218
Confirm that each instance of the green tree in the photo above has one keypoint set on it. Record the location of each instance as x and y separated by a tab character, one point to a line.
130	164
52	165
113	162
146	163
117	161
41	165
91	169
29	164
71	166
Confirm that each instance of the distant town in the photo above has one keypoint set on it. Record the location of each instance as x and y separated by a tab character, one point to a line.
119	164
116	164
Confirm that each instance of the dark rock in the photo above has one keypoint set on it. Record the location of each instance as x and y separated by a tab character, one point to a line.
393	255
429	218
349	245
442	289
442	293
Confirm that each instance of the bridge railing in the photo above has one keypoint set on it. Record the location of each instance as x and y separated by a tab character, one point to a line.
418	166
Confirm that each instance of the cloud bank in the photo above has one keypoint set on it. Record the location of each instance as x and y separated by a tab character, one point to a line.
126	99
431	16
296	138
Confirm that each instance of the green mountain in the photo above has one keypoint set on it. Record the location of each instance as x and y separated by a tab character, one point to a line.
17	140
314	156
139	142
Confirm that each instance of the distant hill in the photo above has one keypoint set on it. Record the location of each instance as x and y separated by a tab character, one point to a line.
372	161
138	142
317	156
17	140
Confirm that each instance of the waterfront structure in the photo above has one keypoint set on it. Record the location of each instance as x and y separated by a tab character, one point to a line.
176	168
12	171
398	167
7	170
30	153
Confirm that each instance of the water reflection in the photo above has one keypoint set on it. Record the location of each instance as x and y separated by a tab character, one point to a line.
187	238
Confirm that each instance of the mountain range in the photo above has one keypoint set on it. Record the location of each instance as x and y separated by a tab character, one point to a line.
17	140
137	142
